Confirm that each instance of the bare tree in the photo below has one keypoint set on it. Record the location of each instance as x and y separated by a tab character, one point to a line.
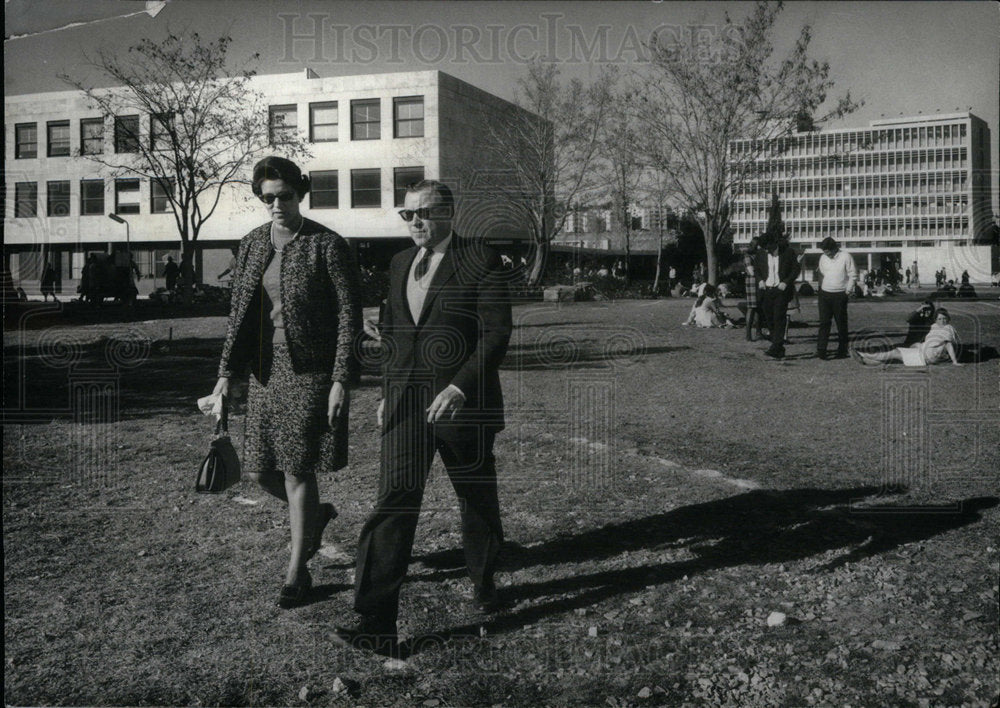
707	88
656	193
620	162
548	151
186	118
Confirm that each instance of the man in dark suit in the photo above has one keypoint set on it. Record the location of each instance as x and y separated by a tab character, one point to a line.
445	330
777	268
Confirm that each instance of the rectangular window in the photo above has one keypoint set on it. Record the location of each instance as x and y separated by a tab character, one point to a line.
91	197
126	196
323	192
26	141
408	117
160	127
92	136
323	122
366	119
283	123
58	138
403	177
126	133
57	198
26	199
366	188
159	191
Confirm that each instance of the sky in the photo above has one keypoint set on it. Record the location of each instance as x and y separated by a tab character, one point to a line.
901	58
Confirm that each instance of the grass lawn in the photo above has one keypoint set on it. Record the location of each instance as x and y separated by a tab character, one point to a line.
665	491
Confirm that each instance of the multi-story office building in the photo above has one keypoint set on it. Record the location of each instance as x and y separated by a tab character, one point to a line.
907	190
369	136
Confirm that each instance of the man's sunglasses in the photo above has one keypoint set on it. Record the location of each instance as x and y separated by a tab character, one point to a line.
280	196
437	213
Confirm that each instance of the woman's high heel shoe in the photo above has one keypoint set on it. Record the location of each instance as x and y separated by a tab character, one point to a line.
295	595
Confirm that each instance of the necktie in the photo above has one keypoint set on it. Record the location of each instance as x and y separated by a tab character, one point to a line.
423	265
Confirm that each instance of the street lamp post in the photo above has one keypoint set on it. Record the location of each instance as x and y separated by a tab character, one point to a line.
128	246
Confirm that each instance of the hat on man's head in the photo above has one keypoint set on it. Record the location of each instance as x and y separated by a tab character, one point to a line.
828	244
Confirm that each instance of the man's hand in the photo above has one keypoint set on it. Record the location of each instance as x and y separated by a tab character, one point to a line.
380	414
448	402
337	402
782	285
760	284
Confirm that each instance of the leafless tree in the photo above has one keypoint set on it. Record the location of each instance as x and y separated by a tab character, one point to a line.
548	150
706	88
185	117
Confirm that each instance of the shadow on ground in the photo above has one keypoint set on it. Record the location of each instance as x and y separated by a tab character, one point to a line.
755	528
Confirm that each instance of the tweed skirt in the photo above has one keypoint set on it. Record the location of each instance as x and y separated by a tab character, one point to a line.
287	430
750	282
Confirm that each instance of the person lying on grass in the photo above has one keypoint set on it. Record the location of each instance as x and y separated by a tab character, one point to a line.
938	345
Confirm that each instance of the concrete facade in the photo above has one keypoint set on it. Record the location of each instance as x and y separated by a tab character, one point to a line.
905	190
443	146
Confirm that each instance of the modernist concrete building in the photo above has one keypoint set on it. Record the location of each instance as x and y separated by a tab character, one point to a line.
906	190
369	135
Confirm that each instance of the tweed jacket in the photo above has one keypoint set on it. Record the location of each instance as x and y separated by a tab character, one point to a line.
460	338
320	299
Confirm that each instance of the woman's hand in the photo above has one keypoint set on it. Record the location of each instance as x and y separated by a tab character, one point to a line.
337	402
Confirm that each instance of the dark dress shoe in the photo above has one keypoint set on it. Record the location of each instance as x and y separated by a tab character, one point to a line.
774	354
295	595
370	635
486	599
822	356
842	355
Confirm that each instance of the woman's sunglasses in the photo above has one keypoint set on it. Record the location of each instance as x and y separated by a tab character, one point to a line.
438	213
280	196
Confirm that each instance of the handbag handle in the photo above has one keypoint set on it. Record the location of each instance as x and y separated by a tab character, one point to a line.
222	427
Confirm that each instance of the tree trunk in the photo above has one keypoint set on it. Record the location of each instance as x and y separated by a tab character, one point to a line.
659	263
711	275
187	271
538	263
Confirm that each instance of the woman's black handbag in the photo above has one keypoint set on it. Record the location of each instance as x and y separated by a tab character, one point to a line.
220	469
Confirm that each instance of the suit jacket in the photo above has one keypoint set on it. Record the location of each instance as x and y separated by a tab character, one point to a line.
460	338
788	268
320	301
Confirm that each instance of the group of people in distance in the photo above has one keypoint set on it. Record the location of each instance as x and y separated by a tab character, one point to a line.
295	327
771	268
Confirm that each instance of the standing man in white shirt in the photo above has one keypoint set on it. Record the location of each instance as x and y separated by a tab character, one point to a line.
839	277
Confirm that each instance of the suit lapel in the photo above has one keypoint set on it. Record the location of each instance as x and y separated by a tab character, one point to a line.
443	274
402	276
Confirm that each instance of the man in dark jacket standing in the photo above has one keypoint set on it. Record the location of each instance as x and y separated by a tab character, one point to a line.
445	331
777	269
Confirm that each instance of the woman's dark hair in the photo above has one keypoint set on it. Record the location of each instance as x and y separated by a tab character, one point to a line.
708	292
942	311
274	167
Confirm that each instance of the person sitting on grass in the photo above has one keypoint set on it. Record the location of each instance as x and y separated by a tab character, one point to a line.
938	345
707	311
920	321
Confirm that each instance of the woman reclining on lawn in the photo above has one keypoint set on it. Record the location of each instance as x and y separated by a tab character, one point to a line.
938	345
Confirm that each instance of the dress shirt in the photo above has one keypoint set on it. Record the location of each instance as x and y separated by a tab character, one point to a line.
772	271
839	273
416	290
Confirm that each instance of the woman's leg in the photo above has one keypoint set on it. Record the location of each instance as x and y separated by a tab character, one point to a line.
881	357
272	484
303	503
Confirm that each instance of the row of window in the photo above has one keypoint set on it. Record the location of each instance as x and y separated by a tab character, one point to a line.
126	136
366	120
873	186
928	160
900	228
366	191
874	139
57	197
324	122
366	187
849	208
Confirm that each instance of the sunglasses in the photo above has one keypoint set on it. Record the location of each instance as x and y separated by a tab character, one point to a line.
439	213
281	196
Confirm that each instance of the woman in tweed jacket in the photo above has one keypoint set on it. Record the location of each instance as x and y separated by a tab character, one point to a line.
293	323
